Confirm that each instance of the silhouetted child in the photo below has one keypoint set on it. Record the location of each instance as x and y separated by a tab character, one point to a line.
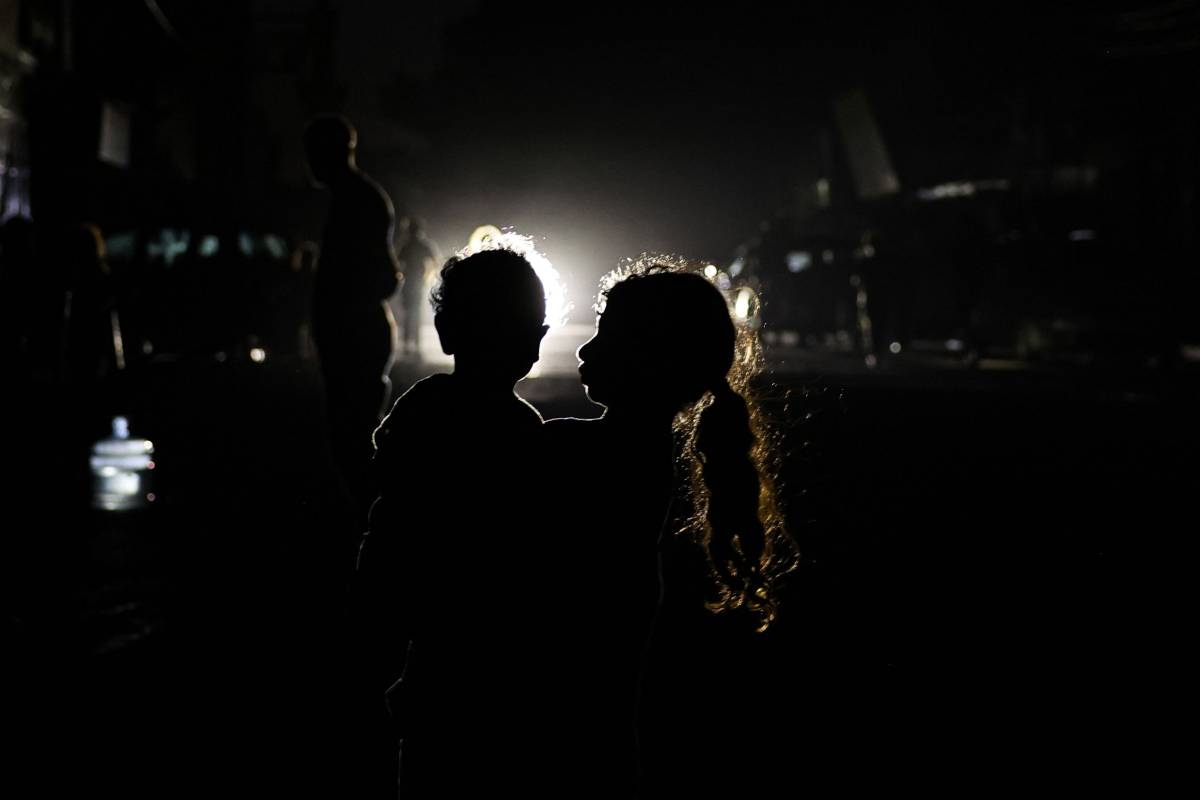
440	570
673	372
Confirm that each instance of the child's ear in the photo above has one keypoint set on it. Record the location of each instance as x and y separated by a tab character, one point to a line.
444	334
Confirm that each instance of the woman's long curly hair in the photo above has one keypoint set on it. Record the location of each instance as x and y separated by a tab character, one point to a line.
728	448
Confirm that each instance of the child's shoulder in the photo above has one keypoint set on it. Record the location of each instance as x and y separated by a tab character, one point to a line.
428	397
431	388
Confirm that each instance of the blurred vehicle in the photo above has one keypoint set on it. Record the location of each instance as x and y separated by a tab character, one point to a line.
969	269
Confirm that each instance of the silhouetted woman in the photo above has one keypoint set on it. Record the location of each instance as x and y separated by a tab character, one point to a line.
673	373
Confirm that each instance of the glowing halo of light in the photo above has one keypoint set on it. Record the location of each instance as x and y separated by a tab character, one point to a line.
481	236
745	305
489	237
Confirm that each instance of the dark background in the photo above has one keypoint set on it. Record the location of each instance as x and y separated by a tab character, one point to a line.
995	582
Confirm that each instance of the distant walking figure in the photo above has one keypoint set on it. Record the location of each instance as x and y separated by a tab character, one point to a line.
352	326
673	373
440	592
418	258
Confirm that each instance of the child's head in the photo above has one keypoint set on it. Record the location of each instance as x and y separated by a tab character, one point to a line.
490	312
664	339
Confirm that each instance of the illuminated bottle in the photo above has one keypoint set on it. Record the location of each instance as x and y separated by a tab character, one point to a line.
121	469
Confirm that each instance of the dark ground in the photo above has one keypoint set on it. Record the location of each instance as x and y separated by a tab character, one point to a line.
994	591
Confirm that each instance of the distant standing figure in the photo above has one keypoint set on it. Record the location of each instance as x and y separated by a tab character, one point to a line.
352	325
418	258
92	340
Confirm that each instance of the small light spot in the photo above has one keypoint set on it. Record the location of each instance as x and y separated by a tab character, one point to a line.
798	261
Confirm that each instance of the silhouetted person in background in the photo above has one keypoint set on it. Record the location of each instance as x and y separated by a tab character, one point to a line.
353	327
441	581
418	258
662	363
93	343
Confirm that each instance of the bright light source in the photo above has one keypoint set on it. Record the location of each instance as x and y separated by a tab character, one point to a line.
894	347
258	355
710	272
736	267
489	237
743	303
481	236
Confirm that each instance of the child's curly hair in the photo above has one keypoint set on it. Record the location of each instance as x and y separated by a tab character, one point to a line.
728	447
